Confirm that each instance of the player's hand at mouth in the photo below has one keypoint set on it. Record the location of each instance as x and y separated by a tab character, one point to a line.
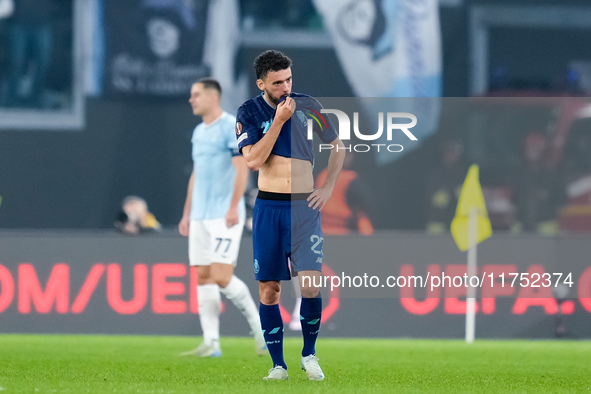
285	109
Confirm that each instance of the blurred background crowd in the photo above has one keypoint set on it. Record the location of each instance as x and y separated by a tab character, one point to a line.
93	103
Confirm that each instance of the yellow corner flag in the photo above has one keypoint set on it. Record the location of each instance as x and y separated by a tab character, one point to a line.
470	197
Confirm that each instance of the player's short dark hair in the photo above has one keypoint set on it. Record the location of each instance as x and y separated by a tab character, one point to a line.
270	60
210	83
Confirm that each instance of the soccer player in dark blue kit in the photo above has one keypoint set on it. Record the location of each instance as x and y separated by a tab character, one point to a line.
272	135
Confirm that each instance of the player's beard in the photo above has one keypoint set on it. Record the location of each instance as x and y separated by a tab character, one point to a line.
274	100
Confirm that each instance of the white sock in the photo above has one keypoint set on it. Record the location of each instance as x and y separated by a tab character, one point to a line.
295	315
237	292
210	306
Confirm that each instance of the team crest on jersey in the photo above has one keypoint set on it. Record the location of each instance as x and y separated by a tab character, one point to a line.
302	118
238	128
266	125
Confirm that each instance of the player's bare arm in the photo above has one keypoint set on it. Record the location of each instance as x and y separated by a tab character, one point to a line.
320	196
232	216
256	155
185	220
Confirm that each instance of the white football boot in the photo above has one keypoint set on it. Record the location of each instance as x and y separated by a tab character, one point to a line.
277	373
260	344
204	350
313	370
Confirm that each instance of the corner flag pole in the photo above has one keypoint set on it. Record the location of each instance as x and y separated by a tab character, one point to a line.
472	263
470	226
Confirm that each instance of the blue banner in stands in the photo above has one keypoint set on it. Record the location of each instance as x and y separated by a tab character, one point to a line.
154	47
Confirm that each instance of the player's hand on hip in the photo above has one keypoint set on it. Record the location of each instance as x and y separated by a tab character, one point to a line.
184	226
232	217
285	109
318	198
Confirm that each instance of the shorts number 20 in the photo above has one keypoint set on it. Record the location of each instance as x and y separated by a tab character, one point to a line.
317	241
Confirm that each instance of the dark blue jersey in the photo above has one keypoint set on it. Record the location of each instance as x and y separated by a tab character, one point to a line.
255	116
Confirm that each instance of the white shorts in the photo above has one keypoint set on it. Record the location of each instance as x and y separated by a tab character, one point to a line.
211	241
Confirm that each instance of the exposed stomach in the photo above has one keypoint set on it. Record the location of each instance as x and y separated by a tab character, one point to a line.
286	175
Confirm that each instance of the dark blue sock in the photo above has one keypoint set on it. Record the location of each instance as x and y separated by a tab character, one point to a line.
310	316
272	326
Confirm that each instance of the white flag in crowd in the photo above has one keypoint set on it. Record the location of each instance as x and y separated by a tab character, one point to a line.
390	48
221	45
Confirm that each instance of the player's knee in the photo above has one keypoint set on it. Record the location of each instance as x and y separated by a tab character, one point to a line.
269	292
309	291
221	274
222	280
204	276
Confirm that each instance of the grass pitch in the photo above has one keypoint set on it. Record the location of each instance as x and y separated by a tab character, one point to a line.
135	364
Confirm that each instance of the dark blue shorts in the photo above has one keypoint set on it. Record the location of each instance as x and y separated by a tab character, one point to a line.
284	230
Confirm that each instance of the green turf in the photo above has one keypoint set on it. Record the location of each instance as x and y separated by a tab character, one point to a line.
135	364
